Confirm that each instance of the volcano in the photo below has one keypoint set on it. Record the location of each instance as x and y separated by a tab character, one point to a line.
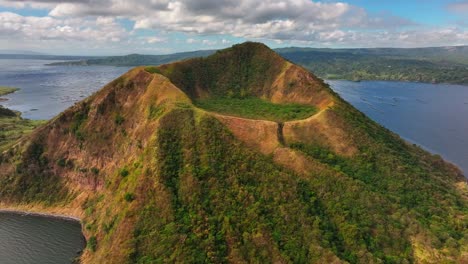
239	157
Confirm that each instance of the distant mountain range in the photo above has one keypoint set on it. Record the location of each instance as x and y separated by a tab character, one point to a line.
22	52
23	55
137	59
435	64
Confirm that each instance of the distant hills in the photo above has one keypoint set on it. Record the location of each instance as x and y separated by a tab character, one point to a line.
22	55
435	65
238	157
23	52
133	60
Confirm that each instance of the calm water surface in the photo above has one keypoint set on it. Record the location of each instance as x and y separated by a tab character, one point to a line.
28	239
48	90
434	116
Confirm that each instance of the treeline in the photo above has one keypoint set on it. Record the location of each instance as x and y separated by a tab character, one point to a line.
356	67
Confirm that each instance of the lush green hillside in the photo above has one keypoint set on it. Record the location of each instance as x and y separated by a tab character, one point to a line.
156	179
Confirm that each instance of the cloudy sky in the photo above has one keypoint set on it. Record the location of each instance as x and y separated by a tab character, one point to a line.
107	27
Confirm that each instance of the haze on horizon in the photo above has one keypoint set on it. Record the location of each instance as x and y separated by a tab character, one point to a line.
115	27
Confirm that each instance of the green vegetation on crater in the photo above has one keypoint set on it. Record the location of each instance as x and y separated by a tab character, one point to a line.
256	108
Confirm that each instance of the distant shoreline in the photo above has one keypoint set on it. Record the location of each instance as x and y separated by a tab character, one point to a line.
5	90
395	81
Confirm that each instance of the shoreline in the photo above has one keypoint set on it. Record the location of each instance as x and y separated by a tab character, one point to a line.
40	214
396	81
6	90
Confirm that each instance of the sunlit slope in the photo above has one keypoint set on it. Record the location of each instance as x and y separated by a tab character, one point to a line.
157	179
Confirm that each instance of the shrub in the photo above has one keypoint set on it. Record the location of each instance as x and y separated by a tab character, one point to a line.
119	119
124	172
129	197
152	69
95	170
62	162
92	243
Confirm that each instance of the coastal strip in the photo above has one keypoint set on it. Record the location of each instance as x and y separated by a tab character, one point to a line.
4	90
29	213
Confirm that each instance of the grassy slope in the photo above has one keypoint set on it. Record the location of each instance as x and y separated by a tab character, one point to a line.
166	182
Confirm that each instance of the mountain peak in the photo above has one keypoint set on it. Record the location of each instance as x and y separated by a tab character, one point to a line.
246	70
250	46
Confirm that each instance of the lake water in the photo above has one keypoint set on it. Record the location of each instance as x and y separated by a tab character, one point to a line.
28	239
48	90
434	116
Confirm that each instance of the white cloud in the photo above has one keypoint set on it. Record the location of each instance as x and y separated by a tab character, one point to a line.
287	21
153	40
242	18
29	28
458	7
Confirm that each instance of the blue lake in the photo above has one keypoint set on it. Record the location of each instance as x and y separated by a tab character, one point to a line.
48	90
434	116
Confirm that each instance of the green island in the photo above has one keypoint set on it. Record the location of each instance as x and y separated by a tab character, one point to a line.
4	90
155	180
12	125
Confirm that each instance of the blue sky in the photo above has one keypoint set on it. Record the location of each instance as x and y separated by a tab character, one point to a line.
429	12
108	27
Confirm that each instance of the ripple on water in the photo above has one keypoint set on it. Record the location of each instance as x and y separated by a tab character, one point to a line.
31	239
